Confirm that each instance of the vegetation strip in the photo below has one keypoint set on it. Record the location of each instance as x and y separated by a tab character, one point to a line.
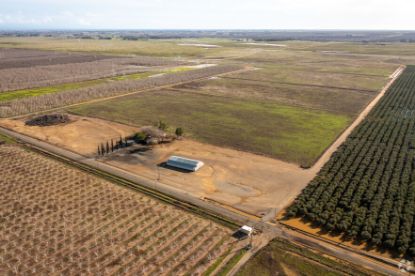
232	262
367	190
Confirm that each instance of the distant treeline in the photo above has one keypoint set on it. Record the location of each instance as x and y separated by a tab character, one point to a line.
256	35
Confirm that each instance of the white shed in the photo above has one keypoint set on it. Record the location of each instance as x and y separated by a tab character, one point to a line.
185	163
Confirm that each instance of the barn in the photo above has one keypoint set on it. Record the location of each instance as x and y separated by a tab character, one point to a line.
184	163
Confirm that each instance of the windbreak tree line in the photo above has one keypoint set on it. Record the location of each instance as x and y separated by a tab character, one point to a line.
367	189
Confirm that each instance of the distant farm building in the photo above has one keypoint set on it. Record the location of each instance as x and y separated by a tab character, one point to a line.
184	163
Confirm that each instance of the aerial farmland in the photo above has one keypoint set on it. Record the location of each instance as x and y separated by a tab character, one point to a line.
270	123
239	104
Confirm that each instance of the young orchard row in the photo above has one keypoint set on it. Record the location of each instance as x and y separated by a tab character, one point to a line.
42	76
56	220
48	101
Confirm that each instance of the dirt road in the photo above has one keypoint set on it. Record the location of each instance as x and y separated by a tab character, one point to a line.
327	154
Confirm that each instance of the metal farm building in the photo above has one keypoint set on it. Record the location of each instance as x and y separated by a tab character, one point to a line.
184	163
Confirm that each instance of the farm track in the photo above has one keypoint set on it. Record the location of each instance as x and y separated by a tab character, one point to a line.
305	85
329	152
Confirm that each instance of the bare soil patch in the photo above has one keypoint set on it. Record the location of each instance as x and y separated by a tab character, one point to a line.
244	181
81	135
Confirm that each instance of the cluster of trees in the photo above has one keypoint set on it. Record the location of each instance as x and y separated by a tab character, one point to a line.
54	100
139	138
162	125
367	189
111	146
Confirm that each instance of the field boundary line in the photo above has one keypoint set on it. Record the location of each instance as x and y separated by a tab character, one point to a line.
326	155
369	256
370	91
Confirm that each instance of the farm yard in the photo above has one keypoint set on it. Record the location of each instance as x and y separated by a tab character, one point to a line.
58	220
365	192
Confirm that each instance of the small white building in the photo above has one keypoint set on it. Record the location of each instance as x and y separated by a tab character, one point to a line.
247	230
184	163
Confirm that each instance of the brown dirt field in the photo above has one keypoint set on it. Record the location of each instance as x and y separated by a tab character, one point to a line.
81	135
251	183
57	220
244	181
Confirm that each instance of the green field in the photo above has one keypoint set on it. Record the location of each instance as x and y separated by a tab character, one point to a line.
289	133
282	258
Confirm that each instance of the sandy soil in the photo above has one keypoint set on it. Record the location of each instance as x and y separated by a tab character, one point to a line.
240	180
81	135
243	181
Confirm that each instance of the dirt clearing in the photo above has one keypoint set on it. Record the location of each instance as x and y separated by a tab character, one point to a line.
82	135
243	181
252	183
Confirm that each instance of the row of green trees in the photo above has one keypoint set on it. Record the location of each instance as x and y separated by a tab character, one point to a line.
111	146
367	189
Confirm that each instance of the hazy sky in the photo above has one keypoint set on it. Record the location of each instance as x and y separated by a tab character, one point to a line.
208	14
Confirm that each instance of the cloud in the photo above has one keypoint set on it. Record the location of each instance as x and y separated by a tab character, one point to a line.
201	14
